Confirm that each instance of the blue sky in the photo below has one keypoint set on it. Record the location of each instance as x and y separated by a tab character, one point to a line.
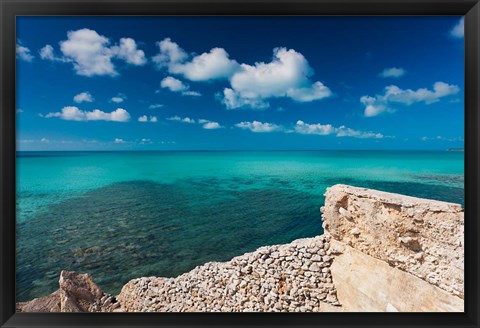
227	83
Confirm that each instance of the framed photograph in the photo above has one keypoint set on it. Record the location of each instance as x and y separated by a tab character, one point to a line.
201	163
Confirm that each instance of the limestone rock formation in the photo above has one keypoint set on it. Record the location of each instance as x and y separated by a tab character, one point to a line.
77	293
420	236
294	277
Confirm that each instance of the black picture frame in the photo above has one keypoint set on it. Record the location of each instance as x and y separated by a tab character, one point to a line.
11	8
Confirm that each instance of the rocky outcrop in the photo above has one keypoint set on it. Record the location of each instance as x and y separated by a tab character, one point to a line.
77	293
420	236
294	277
380	252
366	284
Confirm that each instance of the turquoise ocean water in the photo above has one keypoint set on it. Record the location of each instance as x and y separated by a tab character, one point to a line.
123	215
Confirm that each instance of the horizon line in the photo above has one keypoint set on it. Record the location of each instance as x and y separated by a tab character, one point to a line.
241	150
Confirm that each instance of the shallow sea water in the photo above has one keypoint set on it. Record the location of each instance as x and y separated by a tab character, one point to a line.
123	215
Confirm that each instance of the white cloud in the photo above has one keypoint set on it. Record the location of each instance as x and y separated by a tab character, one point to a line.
392	72
170	53
19	110
145	141
211	65
91	53
191	93
211	125
44	140
188	120
24	53
207	66
259	127
343	131
118	115
232	100
128	51
320	129
310	93
155	106
48	53
206	124
287	75
441	138
72	113
175	85
179	119
119	141
118	98
83	97
328	129
393	94
144	118
458	30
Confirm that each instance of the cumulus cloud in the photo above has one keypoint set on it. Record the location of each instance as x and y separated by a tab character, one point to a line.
207	66
175	85
119	140
206	124
24	53
118	98
155	106
211	65
328	129
170	53
44	140
392	72
209	125
145	141
144	118
343	131
232	99
287	75
259	127
48	53
179	119
127	50
83	97
91	53
309	93
320	129
458	30
72	113
393	94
